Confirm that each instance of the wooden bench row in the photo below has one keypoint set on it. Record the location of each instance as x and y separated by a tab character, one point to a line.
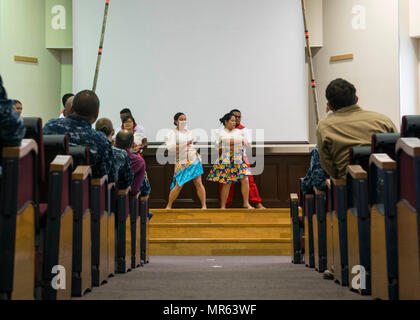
66	229
366	228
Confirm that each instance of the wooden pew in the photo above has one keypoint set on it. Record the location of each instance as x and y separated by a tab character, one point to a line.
297	257
339	221
358	228
99	231
408	218
112	241
82	241
308	227
57	249
135	230
17	221
360	156
329	227
320	231
383	229
144	231
80	155
123	231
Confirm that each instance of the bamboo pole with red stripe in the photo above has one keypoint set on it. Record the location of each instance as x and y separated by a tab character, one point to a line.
311	65
101	44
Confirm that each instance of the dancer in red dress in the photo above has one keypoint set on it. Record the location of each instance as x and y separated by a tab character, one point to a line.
254	196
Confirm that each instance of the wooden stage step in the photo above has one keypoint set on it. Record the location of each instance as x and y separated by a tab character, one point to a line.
215	232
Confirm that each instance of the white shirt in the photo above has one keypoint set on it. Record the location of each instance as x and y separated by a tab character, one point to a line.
223	137
187	153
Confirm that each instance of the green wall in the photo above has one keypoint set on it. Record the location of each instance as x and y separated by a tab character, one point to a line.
38	86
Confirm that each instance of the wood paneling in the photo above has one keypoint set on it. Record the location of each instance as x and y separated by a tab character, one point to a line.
278	180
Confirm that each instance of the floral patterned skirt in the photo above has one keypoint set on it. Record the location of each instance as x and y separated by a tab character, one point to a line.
226	173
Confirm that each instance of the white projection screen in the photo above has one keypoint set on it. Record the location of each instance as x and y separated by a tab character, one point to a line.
200	57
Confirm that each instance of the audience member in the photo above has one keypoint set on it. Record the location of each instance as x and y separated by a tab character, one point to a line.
136	129
12	128
348	126
125	141
123	174
66	111
78	125
18	106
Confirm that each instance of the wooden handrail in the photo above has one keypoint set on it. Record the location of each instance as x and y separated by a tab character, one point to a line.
339	182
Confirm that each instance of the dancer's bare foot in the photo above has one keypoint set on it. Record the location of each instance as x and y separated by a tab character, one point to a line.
204	208
260	206
248	206
222	208
168	208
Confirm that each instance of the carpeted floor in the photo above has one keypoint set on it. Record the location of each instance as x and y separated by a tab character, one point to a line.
221	278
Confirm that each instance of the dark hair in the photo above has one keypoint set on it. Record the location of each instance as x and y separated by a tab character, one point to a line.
104	125
341	93
235	110
86	104
16	102
126	110
126	118
176	117
124	139
226	117
66	97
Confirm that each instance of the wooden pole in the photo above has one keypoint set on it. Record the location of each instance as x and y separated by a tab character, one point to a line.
98	61
311	65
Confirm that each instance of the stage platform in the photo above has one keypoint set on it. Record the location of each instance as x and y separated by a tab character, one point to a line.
215	232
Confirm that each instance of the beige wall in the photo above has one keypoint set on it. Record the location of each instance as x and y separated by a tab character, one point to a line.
22	33
375	69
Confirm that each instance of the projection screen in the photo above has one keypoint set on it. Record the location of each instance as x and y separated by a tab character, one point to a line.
200	57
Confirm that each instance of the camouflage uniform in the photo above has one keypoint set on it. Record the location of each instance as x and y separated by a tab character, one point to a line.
316	176
81	133
12	128
122	166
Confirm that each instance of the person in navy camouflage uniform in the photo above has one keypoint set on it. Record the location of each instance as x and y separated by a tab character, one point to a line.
123	174
12	128
78	126
316	176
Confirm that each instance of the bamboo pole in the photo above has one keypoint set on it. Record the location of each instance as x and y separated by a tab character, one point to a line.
311	65
101	44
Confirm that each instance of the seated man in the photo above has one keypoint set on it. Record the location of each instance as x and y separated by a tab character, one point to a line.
78	126
123	174
125	141
12	128
346	127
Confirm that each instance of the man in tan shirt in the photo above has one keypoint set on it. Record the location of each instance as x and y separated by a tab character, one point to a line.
347	127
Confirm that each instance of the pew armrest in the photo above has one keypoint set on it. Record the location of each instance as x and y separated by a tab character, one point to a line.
294	197
319	192
111	185
136	196
339	182
382	161
357	172
328	183
100	181
410	146
27	146
61	163
81	173
124	192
